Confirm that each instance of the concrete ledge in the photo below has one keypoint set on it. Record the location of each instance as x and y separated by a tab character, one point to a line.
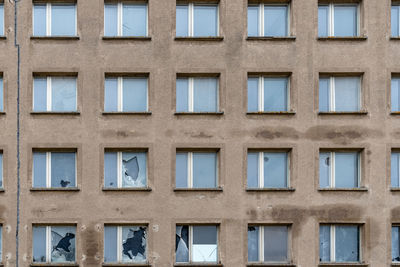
205	38
141	189
145	264
395	189
394	39
271	113
45	264
74	113
126	38
199	113
337	264
69	38
3	37
394	113
360	189
62	189
289	189
147	113
265	264
343	38
198	265
217	189
324	113
271	38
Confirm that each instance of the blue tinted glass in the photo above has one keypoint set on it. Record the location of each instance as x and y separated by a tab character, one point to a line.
252	20
1	19
63	170
1	171
324	170
204	170
181	179
395	244
346	170
39	243
1	94
39	20
252	243
346	243
275	21
205	22
111	95
395	94
63	94
252	170
276	243
252	94
275	94
345	20
40	94
395	20
205	95
134	95
110	244
324	243
63	20
275	170
39	169
182	20
394	169
324	99
110	169
347	94
110	19
134	169
134	20
182	95
323	18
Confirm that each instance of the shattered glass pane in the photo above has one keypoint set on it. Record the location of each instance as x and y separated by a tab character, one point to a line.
134	20
275	170
40	94
111	95
347	243
134	240
110	244
324	243
324	170
276	243
205	248
63	94
1	170
252	243
39	244
62	244
204	170
182	243
394	169
134	169
346	170
63	171
181	170
110	169
39	169
395	244
134	93
252	170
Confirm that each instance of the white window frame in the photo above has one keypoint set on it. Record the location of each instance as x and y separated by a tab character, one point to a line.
331	18
120	93
261	91
398	168
190	167
261	167
332	174
48	170
48	18
261	18
191	16
332	91
190	99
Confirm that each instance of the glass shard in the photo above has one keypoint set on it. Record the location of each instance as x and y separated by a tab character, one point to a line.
134	243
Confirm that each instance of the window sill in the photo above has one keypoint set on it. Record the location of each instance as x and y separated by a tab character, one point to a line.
75	113
339	264
40	264
199	113
198	264
2	113
395	189
271	38
290	189
395	264
393	38
65	189
140	189
360	189
55	37
216	189
203	38
2	191
271	113
126	38
144	264
127	113
395	113
266	264
343	38
343	113
3	37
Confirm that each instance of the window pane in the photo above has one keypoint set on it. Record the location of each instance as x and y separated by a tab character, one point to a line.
182	95
40	94
134	246
275	170
134	94
39	243
110	20
63	94
347	243
63	172
345	20
134	20
134	170
324	170
347	93
324	243
395	94
252	170
110	169
205	248
1	174
252	243
110	244
1	95
63	244
1	243
63	20
323	18
39	169
111	95
252	20
394	169
395	20
275	21
275	243
1	19
205	95
181	170
182	20
395	244
182	243
252	94
39	20
204	170
346	170
275	94
324	99
205	21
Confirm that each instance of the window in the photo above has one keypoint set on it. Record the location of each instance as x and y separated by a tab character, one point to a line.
1	171
395	94
196	170
267	170
268	243
395	20
339	94
339	20
126	94
1	19
124	244
54	169
125	19
268	20
197	20
395	243
1	95
54	244
339	169
54	19
395	169
125	169
1	243
196	243
267	94
339	243
197	94
54	94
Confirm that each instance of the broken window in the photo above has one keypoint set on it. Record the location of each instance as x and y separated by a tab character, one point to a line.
339	243
339	169
268	243
125	169
267	169
395	169
196	243
197	94
125	19
54	94
54	169
54	19
196	169
196	20
395	94
126	94
54	244
268	20
395	243
339	20
124	244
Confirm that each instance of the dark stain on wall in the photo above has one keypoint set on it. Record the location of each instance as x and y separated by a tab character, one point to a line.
277	132
91	241
339	134
199	135
120	133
